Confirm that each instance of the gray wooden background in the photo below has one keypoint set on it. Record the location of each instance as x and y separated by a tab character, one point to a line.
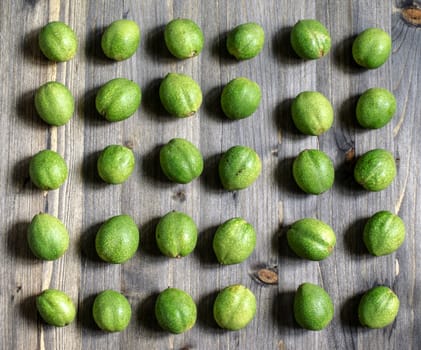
271	204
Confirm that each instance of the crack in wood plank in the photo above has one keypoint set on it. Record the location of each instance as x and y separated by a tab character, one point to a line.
401	117
396	267
281	212
401	196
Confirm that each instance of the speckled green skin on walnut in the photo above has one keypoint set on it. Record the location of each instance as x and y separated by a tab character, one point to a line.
372	48
176	234
55	307
175	311
375	108
375	170
48	170
184	38
384	233
180	95
58	42
115	164
239	167
312	113
234	241
117	239
118	99
378	307
234	307
47	237
120	39
313	171
310	39
313	307
181	161
54	103
246	41
240	98
311	239
111	311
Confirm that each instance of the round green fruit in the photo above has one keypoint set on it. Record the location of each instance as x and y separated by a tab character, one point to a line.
234	307
180	95
313	307
117	239
57	41
384	233
372	48
118	99
184	38
175	310
375	170
312	113
121	39
378	307
176	234
55	307
240	98
181	161
111	311
47	237
54	103
48	170
375	108
246	41
239	167
115	164
313	171
310	39
311	239
234	241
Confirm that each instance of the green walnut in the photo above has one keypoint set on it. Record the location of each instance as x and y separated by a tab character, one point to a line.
181	161
117	239
176	234
384	233
55	307
234	307
175	310
184	38
375	108
47	237
311	239
54	103
48	170
239	167
180	95
234	241
375	170
121	39
115	164
111	311
310	39
246	41
372	48
240	98
313	171
57	41
118	99
378	307
313	307
312	113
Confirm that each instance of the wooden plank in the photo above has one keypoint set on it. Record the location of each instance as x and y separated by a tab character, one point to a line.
271	204
406	78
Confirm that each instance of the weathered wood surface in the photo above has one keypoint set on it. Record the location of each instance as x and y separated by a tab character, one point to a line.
271	204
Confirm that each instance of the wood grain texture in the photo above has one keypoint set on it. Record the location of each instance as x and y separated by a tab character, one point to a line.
271	204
